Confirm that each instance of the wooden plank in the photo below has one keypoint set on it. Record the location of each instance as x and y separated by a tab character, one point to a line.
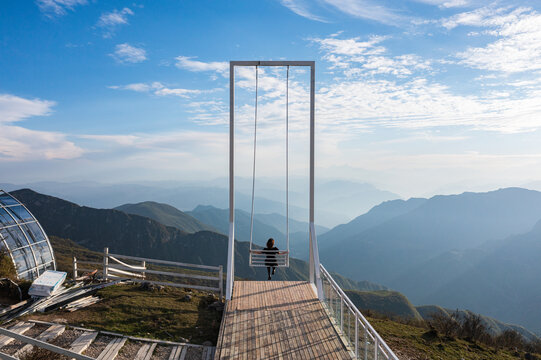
145	352
83	341
19	328
183	353
176	352
111	350
277	320
50	334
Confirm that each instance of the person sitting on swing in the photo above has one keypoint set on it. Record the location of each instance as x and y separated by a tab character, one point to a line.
270	261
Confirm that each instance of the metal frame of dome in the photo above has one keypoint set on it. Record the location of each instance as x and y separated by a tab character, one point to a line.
24	239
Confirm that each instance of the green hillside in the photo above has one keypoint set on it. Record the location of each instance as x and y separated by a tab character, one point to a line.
166	215
420	343
389	303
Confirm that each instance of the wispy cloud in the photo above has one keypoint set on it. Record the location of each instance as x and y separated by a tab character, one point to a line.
301	7
54	8
365	9
20	144
159	89
447	3
110	21
187	63
126	53
14	108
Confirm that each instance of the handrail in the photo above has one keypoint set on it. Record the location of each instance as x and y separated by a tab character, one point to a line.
379	343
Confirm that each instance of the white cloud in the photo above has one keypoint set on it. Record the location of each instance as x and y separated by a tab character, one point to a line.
125	53
370	54
518	47
109	21
447	3
363	9
160	89
21	144
366	10
186	63
300	7
52	8
14	108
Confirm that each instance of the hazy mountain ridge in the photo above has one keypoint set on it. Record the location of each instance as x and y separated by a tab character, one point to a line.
166	215
451	251
136	235
186	196
442	223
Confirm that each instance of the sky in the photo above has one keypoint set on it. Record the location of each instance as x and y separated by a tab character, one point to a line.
417	97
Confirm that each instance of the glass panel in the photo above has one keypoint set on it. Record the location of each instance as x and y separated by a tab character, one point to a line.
36	231
20	213
5	219
7	200
14	237
42	253
23	259
29	234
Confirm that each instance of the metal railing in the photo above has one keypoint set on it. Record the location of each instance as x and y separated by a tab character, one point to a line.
356	331
114	268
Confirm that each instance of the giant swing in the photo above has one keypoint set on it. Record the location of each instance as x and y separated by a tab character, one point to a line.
257	257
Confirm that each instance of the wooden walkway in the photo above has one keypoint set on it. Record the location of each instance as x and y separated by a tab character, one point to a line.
277	320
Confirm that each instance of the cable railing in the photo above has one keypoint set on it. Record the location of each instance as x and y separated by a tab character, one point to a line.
356	331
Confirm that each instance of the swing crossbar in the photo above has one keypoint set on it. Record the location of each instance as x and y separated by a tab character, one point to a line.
260	259
272	63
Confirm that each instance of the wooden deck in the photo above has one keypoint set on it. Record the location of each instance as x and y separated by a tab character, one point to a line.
277	320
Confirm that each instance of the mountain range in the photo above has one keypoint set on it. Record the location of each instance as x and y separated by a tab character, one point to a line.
136	235
457	251
338	201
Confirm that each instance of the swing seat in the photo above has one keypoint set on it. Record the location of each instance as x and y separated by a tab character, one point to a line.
258	258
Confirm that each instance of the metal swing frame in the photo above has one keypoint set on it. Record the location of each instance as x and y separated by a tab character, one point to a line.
314	268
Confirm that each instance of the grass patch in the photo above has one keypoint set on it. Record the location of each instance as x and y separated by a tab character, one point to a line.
411	342
159	314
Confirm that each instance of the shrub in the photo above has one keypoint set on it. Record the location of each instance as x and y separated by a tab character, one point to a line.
446	325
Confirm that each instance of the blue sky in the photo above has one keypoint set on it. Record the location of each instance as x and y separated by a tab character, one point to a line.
416	97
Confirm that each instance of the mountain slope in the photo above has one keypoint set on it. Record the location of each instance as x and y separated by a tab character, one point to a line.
443	223
135	235
505	284
166	215
376	216
390	303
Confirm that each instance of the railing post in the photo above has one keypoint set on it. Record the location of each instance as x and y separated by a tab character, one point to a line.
356	336
341	314
376	345
105	262
144	265
74	268
366	343
221	283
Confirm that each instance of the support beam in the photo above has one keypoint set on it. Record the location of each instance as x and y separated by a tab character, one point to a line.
231	244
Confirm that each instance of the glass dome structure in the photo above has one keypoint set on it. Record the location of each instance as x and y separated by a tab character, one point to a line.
23	238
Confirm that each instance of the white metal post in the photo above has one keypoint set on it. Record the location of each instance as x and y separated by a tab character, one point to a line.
356	336
105	262
221	283
74	268
143	265
231	242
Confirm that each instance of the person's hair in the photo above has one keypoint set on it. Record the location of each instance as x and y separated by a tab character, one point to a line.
270	242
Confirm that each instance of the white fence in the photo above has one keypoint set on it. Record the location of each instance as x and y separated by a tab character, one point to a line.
113	267
363	340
